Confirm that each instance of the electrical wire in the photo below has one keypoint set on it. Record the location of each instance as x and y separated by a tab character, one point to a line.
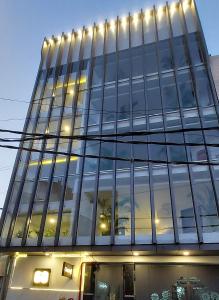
165	162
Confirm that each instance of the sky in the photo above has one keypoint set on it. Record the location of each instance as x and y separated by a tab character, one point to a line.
24	24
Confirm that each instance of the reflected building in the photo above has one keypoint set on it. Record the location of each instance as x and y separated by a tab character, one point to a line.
123	157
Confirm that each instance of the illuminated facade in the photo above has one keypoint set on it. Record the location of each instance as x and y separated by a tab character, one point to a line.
106	174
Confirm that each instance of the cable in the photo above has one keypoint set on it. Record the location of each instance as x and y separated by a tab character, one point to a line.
124	134
201	163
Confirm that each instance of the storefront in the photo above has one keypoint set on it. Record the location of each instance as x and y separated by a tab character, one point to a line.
86	277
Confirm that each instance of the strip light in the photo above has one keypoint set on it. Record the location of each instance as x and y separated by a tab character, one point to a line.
46	162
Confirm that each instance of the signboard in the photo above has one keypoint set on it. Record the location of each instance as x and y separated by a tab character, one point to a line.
67	270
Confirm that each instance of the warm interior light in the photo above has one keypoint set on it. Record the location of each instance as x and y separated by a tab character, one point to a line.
67	129
45	44
71	92
50	161
52	220
41	277
135	253
186	253
103	226
51	41
47	254
59	38
157	221
20	255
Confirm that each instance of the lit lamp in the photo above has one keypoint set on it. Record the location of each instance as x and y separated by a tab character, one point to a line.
41	277
67	270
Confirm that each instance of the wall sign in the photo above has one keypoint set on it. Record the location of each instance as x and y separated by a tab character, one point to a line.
41	277
67	270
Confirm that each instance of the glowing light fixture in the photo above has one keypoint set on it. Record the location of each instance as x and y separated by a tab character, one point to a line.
59	38
20	255
41	277
47	254
157	221
186	253
52	220
67	129
103	226
51	41
135	253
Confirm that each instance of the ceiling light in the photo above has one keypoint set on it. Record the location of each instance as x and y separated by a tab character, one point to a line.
172	8
103	226
160	12
186	253
157	221
147	16
59	38
52	220
135	253
135	18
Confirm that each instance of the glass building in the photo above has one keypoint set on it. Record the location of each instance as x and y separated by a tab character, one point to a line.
120	154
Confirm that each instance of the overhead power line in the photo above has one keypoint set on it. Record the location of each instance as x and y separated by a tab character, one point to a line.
201	163
122	134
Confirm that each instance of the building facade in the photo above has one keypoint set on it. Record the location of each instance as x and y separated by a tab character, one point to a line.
118	170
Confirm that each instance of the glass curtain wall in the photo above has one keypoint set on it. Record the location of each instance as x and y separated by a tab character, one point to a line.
123	86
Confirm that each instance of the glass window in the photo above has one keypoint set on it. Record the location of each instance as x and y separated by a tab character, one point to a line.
95	106
196	153
176	20
123	151
195	49
123	102
138	99
104	209
142	206
92	148
123	34
177	153
150	59
137	61
153	95
124	65
205	198
110	73
163	210
186	91
165	56
169	92
98	65
107	150
86	210
204	93
180	55
53	207
109	104
122	208
71	190
186	222
158	152
212	137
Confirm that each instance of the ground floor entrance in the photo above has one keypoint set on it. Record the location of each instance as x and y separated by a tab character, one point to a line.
141	281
